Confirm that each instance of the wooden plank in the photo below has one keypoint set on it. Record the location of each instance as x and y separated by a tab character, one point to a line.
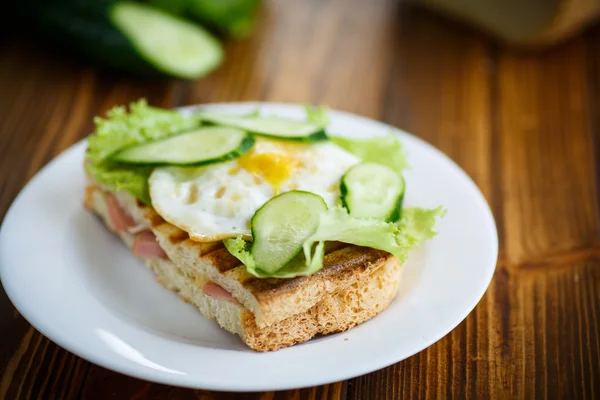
439	88
41	369
104	384
501	349
334	52
546	163
46	105
592	39
547	346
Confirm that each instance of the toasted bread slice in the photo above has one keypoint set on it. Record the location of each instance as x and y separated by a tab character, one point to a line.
354	285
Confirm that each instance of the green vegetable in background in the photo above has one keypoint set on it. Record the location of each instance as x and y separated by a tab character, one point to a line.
231	17
127	36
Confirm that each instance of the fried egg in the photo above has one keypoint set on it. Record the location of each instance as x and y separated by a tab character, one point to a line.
218	201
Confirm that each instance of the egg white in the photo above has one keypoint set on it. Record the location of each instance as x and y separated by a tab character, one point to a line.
218	201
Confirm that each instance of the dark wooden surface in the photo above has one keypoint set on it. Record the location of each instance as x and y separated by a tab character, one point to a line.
526	127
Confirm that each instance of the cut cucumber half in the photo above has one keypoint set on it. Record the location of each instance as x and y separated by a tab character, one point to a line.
373	190
173	45
280	227
198	147
269	126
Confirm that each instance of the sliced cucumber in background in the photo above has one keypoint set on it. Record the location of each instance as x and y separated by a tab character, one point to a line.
373	190
199	147
280	227
132	37
231	17
268	126
172	45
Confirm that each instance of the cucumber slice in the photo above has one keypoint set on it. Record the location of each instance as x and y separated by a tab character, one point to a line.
171	44
269	126
280	227
373	190
198	147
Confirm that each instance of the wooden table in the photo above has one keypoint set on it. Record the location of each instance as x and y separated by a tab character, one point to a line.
526	127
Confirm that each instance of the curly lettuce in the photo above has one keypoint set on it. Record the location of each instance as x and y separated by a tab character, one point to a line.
240	248
123	129
386	150
415	227
317	115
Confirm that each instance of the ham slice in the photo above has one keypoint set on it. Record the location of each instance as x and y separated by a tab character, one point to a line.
119	219
145	245
216	291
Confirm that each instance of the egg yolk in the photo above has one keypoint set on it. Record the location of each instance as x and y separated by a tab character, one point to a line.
273	161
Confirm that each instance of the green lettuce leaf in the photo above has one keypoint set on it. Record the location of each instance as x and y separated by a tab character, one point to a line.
252	114
240	249
317	115
415	226
122	129
386	150
418	223
118	178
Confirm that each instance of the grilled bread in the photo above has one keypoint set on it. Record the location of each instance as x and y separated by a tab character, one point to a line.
355	284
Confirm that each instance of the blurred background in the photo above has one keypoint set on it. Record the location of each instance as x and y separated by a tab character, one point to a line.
431	67
190	39
310	47
184	38
309	51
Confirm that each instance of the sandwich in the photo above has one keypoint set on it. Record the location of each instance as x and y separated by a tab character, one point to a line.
274	227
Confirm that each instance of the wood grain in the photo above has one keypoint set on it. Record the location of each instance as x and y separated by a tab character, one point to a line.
103	384
310	52
63	98
441	89
546	346
593	103
542	111
526	128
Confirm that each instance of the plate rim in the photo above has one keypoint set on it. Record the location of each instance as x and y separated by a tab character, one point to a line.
172	379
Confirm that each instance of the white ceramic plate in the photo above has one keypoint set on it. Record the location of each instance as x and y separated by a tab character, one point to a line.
78	285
